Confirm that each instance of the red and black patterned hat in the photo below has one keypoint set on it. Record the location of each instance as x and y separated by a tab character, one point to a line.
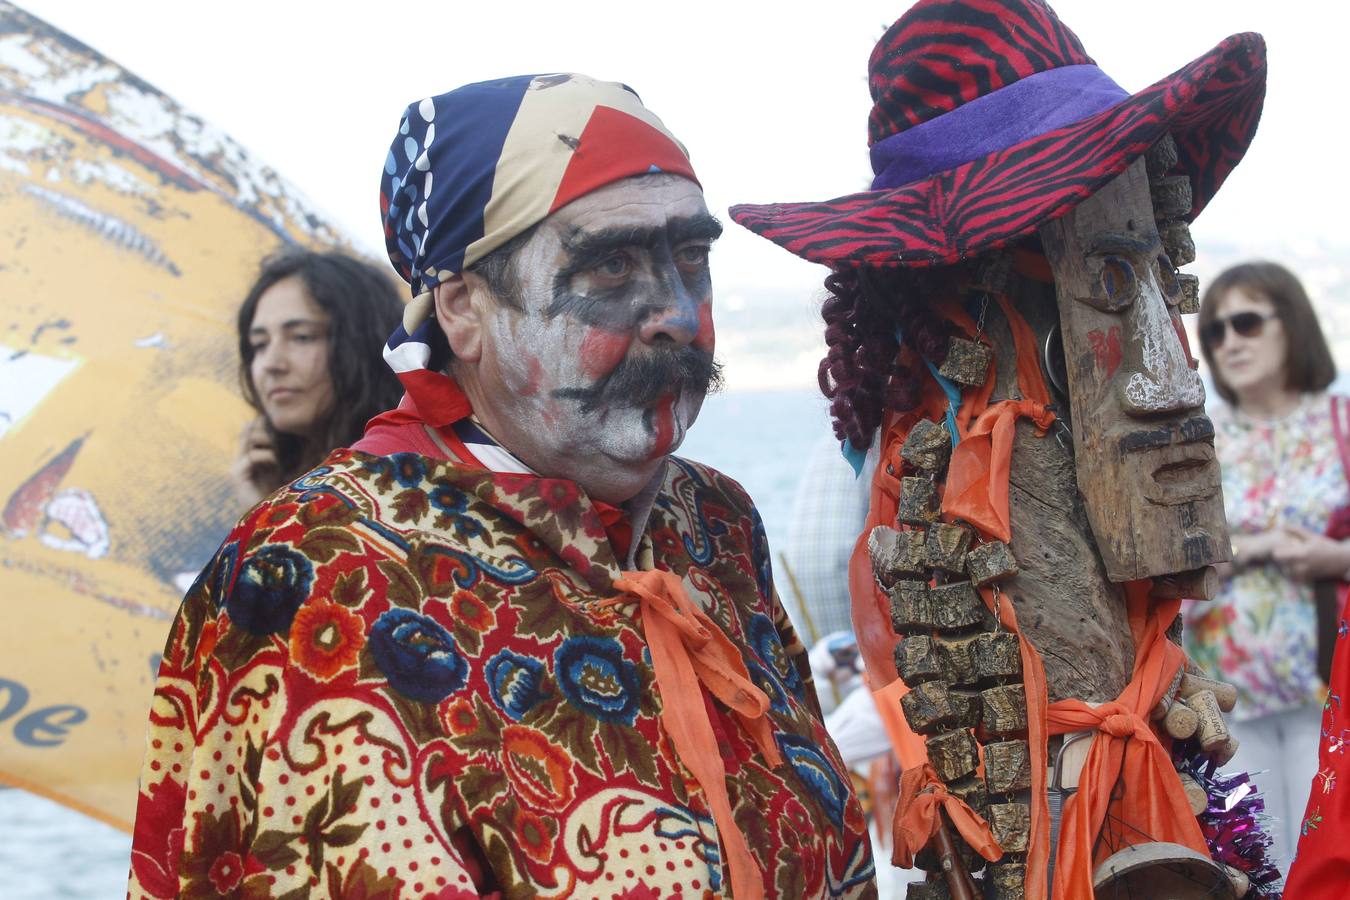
990	119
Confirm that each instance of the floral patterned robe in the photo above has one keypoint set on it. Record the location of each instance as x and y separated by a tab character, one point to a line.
400	673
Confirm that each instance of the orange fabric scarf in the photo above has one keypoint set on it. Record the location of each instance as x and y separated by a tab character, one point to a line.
1126	749
689	650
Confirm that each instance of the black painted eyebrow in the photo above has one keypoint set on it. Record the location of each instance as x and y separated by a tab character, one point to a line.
1115	242
588	248
703	226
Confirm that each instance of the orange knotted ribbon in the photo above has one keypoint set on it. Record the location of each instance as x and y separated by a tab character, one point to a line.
977	475
1126	749
923	797
689	650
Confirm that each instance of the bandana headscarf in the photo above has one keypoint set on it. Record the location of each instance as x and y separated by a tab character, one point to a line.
471	169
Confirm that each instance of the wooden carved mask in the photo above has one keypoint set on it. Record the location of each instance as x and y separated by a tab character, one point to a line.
1144	449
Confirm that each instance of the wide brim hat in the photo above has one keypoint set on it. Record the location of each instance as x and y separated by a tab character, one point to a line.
989	119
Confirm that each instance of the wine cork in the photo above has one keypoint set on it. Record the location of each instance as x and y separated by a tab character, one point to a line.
1239	880
1213	731
1195	794
1225	693
1225	752
1168	697
1181	721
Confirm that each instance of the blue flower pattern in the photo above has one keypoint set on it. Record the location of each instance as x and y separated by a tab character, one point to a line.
516	682
816	773
417	655
595	678
272	583
765	642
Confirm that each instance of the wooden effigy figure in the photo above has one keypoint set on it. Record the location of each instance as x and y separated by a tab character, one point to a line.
1004	325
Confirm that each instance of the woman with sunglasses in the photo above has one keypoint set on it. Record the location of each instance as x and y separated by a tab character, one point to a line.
1282	481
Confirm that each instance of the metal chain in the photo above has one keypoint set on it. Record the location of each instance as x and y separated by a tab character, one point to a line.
984	308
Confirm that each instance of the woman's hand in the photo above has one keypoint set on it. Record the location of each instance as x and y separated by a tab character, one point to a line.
1308	556
255	472
1255	549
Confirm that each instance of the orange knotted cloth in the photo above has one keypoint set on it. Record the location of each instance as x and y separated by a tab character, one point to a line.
923	797
1126	751
689	653
977	476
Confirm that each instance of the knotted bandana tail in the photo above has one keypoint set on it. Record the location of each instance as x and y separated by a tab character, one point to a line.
689	653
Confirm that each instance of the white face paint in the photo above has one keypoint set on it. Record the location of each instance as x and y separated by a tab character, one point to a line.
598	372
1163	381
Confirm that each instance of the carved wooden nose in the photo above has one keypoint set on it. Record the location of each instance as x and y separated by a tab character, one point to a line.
1158	377
1169	387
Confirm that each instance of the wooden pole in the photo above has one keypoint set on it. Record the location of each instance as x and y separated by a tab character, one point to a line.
958	879
806	617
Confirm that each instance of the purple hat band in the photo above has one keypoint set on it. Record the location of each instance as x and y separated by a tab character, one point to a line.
1023	110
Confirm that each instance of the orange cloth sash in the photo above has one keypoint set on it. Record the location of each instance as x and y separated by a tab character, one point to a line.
977	476
688	649
917	817
1153	805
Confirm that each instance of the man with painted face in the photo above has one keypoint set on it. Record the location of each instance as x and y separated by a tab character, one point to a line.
507	645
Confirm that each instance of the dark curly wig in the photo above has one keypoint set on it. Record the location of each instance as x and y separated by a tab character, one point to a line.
864	371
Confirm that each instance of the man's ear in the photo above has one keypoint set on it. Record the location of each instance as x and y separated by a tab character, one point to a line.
460	318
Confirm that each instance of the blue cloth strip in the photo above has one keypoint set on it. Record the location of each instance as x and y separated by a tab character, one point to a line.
953	400
856	457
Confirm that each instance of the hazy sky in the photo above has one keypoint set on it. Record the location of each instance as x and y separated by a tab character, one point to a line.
771	99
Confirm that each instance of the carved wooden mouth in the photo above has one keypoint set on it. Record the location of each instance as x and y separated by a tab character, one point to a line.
1182	473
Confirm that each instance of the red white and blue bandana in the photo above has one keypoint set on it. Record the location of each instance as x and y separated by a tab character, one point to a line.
473	168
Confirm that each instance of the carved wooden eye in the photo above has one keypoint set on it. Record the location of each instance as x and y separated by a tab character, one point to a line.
1168	281
1118	285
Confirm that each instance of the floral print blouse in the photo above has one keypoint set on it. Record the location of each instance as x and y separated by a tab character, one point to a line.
1260	632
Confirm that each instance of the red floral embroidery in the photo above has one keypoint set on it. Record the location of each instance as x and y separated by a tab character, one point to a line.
665	541
559	495
460	719
226	872
576	559
326	638
159	837
472	611
534	835
539	770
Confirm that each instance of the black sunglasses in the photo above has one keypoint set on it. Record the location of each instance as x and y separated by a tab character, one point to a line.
1246	324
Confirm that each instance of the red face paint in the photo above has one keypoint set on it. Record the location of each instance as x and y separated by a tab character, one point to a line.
602	350
663	424
1106	349
706	337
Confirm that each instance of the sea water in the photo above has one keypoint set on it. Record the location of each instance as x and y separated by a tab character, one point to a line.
759	439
